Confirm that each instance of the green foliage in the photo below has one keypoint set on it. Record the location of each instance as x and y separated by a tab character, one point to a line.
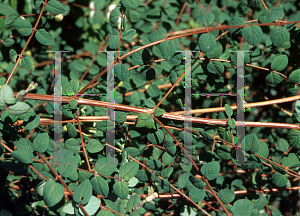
44	37
210	170
226	196
40	142
52	193
242	207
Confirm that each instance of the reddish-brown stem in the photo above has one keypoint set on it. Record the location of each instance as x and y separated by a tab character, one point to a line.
83	144
157	23
180	13
25	15
264	5
28	40
88	67
180	117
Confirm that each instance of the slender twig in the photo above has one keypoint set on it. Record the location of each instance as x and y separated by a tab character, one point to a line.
181	117
88	67
180	13
82	142
28	40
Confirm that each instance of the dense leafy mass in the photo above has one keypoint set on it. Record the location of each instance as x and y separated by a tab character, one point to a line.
151	173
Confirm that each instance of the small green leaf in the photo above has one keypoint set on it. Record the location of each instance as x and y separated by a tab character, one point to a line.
228	110
293	138
273	78
55	7
8	42
23	27
224	152
215	52
207	18
263	150
290	160
31	122
100	185
158	112
131	4
215	67
120	116
28	63
279	63
279	180
105	213
113	41
137	97
242	207
41	142
231	123
67	166
83	192
206	136
159	34
145	120
133	202
276	13
6	9
7	96
92	206
252	143
128	170
196	194
11	19
167	49
153	91
295	76
236	22
121	189
156	137
128	34
210	170
114	15
44	37
105	167
23	143
252	34
72	145
140	57
73	103
282	145
147	72
52	193
13	55
73	87
121	71
207	42
23	155
18	109
94	146
226	196
279	35
150	103
50	107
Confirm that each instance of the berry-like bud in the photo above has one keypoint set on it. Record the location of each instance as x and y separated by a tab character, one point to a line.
59	17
